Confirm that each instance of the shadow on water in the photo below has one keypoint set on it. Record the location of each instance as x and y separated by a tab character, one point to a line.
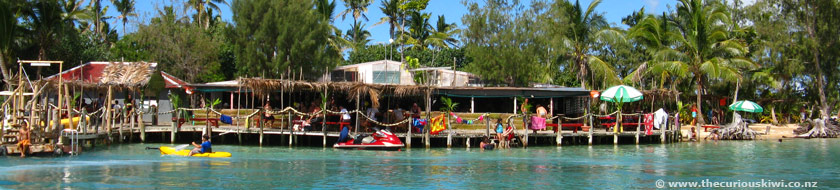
602	166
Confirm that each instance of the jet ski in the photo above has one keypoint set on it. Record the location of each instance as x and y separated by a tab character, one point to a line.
381	140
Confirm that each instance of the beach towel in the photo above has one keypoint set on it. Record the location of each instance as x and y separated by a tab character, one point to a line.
419	124
648	121
226	119
537	123
438	125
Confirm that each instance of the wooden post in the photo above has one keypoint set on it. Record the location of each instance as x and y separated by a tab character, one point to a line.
356	128
109	120
262	125
448	130
559	137
514	106
525	131
175	126
427	128
591	128
618	125
472	104
56	120
662	129
324	114
468	142
638	127
487	123
551	106
69	106
142	126
408	137
291	128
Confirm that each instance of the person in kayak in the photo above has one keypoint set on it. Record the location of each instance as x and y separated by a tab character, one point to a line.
204	147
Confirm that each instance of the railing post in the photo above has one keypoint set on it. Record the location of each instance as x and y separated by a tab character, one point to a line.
175	126
591	128
559	137
410	128
638	127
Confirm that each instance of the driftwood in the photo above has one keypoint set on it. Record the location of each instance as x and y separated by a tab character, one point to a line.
737	130
818	128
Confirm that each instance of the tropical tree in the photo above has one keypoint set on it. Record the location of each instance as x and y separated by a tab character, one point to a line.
656	34
275	37
126	9
358	36
586	28
8	33
357	8
201	7
706	49
393	14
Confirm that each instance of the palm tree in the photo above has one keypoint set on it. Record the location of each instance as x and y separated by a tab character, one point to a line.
419	29
335	41
657	35
126	9
200	7
443	36
8	32
705	48
358	36
356	7
45	19
392	15
585	30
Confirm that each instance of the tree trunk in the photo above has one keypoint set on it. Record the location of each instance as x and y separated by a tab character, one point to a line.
5	70
700	120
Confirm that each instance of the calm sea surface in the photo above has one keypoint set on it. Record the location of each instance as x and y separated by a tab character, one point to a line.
593	167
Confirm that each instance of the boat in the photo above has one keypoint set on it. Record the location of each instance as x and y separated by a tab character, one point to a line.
165	150
381	140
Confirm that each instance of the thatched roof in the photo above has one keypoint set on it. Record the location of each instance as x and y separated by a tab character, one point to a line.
352	89
133	74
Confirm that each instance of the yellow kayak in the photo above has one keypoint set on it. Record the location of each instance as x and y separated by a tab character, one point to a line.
165	150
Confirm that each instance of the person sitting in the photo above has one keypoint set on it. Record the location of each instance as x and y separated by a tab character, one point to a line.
714	135
315	118
204	147
24	139
486	144
267	116
692	135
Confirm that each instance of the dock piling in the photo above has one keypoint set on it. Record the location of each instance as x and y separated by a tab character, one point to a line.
559	137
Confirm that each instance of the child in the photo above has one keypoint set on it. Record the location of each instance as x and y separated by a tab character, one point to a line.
500	130
692	135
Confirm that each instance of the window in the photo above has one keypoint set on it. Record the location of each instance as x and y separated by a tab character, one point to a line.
386	77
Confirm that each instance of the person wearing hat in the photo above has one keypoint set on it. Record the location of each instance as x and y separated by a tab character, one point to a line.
204	147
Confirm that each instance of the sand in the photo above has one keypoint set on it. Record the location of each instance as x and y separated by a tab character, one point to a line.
776	131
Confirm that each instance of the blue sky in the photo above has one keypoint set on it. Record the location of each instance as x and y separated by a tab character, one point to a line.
614	10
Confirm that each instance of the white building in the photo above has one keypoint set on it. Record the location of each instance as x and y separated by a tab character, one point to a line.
374	72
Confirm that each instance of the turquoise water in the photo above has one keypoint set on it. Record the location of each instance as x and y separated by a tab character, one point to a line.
595	167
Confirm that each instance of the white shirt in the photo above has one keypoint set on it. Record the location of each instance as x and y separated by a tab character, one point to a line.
398	114
371	113
344	114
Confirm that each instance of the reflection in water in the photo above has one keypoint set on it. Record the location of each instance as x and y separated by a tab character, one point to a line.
604	166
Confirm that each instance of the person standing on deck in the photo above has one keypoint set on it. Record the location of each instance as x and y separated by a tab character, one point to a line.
204	147
541	112
24	139
524	109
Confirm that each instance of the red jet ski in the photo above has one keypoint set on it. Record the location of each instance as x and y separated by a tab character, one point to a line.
381	140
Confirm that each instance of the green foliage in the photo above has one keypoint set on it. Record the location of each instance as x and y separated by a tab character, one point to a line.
448	105
174	43
505	43
275	37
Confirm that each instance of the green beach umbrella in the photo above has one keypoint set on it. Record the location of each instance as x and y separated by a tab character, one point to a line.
746	106
621	93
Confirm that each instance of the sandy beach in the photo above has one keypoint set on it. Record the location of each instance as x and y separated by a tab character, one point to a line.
776	131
